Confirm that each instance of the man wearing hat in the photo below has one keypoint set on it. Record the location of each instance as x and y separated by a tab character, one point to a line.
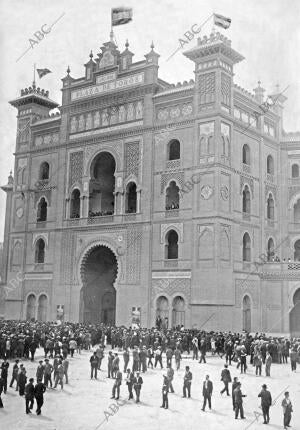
4	374
165	391
137	385
287	410
187	382
40	371
226	378
207	392
238	401
47	372
29	396
266	402
15	374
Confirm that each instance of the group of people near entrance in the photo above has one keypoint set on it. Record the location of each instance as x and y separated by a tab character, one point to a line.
147	348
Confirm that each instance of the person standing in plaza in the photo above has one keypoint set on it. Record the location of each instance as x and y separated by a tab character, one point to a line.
1	389
226	378
22	379
4	374
40	371
234	385
165	392
115	365
15	374
243	358
287	410
135	359
293	358
202	351
187	382
238	401
177	355
39	390
110	359
266	402
94	365
126	359
129	383
170	376
29	396
150	355
72	346
59	377
258	364
207	392
143	359
169	355
268	364
195	348
65	364
117	384
47	373
158	357
137	385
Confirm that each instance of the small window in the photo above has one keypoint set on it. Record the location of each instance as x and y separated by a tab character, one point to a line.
270	165
131	198
75	204
246	200
42	210
172	196
44	171
271	248
171	245
174	150
246	247
270	207
40	251
295	171
246	154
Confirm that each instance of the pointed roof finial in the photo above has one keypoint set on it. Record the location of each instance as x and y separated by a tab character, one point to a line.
152	45
91	54
68	70
126	44
259	82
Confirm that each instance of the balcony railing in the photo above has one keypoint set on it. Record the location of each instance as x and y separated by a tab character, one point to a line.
172	164
171	263
246	168
170	213
270	178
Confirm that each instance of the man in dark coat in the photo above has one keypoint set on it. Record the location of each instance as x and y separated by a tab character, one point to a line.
226	378
207	392
266	402
165	391
287	410
1	389
117	384
238	401
129	382
137	385
4	374
187	382
39	390
29	396
234	385
15	374
94	360
22	379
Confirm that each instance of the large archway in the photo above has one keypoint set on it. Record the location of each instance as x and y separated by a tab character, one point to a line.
98	295
295	315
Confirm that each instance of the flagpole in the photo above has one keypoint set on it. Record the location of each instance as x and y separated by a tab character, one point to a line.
34	66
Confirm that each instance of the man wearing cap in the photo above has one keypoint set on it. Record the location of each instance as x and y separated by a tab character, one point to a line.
137	385
226	378
40	371
238	401
266	402
15	374
207	392
117	384
158	357
187	382
287	410
47	373
39	390
165	391
29	396
129	382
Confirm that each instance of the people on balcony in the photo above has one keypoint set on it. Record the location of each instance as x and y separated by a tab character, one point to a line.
172	206
100	213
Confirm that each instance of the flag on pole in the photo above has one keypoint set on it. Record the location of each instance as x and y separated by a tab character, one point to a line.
43	72
121	15
222	21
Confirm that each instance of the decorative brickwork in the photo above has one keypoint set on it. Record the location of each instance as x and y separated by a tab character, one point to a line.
75	167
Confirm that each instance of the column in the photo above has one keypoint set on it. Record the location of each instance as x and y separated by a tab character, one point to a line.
138	200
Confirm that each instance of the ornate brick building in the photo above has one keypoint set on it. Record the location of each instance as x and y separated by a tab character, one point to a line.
149	199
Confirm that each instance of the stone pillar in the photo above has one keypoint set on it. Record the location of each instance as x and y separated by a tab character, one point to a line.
67	214
138	200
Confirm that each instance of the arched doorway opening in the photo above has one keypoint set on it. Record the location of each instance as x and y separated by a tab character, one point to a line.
102	185
246	314
42	308
178	312
162	312
297	250
295	315
98	295
30	307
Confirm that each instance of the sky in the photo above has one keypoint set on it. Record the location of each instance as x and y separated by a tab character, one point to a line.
265	32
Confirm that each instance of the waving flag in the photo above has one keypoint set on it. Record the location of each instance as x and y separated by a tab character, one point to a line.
121	15
222	21
43	72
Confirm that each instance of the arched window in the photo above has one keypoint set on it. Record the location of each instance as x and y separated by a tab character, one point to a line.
297	211
30	307
270	207
171	245
172	196
271	248
102	185
246	247
297	250
42	308
44	171
174	150
246	154
295	171
270	165
40	251
246	200
42	210
75	204
130	206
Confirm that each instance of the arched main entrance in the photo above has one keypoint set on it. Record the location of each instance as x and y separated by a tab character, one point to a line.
98	295
295	315
246	314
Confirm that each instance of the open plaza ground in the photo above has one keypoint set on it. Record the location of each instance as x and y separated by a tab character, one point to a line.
86	404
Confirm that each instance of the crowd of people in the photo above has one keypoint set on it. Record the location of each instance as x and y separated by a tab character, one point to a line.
139	349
